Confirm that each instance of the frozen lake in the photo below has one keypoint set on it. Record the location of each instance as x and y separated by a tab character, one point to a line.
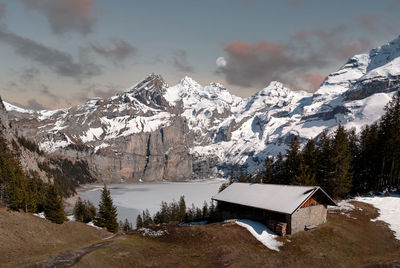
132	198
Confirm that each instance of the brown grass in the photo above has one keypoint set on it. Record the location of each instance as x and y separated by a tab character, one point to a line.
27	239
350	240
342	242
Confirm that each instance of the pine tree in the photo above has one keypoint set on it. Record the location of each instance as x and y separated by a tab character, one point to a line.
268	174
310	156
232	178
107	215
324	167
389	135
126	226
212	211
293	159
279	170
339	184
139	222
53	207
368	161
304	176
84	211
205	211
146	218
307	167
182	208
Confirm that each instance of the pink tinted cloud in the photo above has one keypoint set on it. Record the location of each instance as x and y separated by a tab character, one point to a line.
66	15
240	48
301	62
314	80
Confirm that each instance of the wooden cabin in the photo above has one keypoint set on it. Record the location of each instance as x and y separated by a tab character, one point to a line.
285	209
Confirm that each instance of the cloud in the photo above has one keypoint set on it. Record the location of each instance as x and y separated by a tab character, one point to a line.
29	74
314	80
120	51
58	61
95	90
34	105
249	64
300	35
335	44
180	61
66	15
46	92
370	22
11	86
3	8
301	62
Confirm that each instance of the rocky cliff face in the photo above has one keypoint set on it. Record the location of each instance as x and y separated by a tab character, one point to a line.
28	159
153	131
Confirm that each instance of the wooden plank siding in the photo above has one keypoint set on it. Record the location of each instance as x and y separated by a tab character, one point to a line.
315	200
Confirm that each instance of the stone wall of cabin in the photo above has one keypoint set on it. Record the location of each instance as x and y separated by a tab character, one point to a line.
313	215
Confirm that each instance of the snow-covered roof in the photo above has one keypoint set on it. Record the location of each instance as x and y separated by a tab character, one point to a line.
279	198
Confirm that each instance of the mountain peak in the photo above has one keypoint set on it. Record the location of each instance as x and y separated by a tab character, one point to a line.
274	89
188	82
151	81
362	66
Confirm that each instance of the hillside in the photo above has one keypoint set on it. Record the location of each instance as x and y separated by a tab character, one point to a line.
153	131
348	239
27	239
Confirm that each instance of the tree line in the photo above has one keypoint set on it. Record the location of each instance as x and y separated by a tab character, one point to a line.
177	212
25	190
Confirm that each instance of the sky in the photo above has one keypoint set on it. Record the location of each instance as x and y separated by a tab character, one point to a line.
58	53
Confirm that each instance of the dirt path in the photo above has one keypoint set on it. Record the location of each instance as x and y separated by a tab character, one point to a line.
71	257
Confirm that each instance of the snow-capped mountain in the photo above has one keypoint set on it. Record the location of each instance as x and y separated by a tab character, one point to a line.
153	131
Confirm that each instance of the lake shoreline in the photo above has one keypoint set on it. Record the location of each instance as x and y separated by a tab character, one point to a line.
134	197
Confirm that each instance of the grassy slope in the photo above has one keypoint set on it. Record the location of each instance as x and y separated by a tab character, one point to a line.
25	238
342	242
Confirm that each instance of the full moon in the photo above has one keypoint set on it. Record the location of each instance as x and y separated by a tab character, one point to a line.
221	62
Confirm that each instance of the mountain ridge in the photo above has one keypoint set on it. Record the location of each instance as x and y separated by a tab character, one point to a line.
153	131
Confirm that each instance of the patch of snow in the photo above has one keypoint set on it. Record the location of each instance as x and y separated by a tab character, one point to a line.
51	146
261	233
152	233
71	218
92	225
92	134
389	210
9	107
40	215
343	205
103	145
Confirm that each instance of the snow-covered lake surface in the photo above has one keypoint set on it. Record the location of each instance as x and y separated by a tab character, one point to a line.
132	198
